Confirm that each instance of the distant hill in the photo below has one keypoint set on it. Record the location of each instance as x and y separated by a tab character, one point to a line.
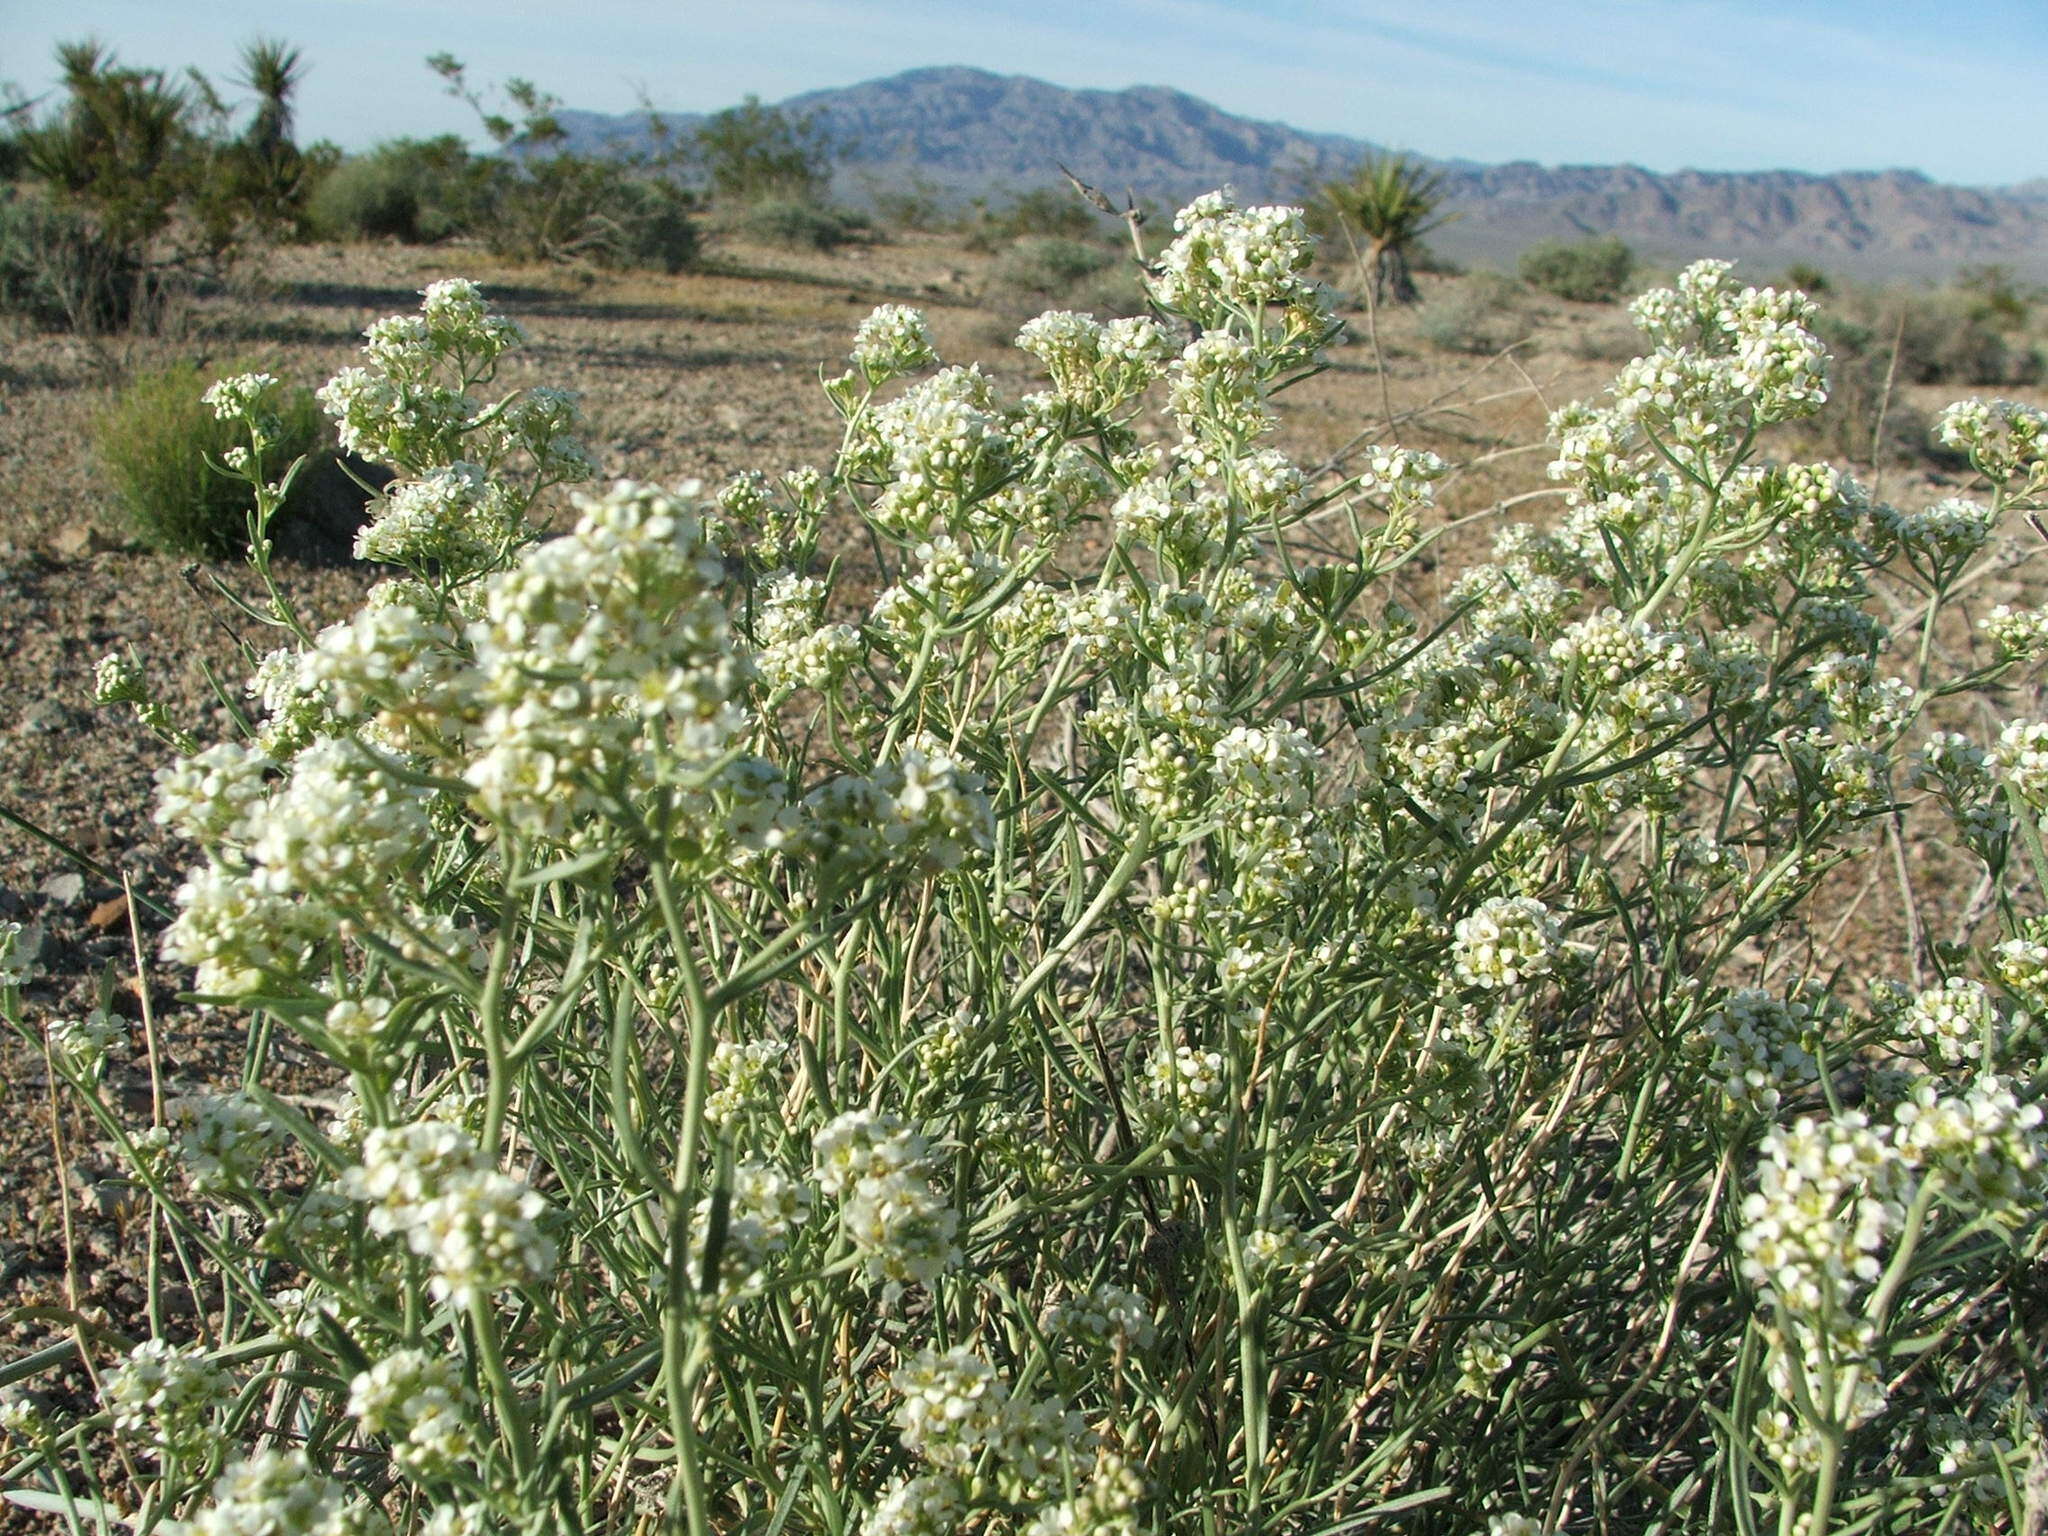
967	133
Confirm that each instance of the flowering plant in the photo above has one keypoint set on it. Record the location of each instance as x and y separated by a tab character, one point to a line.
1122	1028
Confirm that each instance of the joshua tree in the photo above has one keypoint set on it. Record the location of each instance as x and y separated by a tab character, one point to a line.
266	166
1382	210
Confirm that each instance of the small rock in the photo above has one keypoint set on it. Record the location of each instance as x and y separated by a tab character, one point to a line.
79	541
64	888
49	717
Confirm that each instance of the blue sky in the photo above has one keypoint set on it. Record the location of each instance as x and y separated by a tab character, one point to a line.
1953	90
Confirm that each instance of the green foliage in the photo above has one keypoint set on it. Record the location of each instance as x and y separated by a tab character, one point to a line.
1041	212
799	225
262	176
755	153
1480	314
542	203
1047	266
58	271
157	174
163	449
1808	279
1379	214
120	148
1995	296
911	202
412	190
1586	271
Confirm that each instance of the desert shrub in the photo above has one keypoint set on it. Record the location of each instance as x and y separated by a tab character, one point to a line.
164	449
542	203
1047	266
1808	279
1480	314
58	271
908	202
1587	272
1605	341
1037	213
1148	1038
413	190
799	226
644	223
151	165
1927	336
754	153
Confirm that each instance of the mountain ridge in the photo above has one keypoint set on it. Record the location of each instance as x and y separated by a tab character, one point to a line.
963	132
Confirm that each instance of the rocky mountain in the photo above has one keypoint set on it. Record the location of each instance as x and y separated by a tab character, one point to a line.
962	133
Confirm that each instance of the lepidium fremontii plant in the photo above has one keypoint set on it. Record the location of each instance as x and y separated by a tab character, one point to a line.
1128	1029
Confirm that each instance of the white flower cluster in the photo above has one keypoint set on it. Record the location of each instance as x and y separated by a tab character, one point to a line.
410	408
2004	439
1105	1506
2021	757
1183	1097
925	807
164	1396
1228	262
455	518
956	1411
1828	1193
224	1140
1097	366
1483	1353
1277	1249
1108	1317
943	446
1762	1048
479	1228
601	653
1405	478
421	1405
794	648
892	341
1943	535
1952	1021
879	1171
2018	634
281	1493
763	1207
1505	942
1984	1145
209	796
83	1044
740	1073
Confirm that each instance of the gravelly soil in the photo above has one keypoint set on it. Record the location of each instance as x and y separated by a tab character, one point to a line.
698	375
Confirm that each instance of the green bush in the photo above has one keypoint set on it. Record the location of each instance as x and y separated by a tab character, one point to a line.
161	445
1481	314
58	271
1589	272
755	154
1052	212
1047	267
798	225
413	190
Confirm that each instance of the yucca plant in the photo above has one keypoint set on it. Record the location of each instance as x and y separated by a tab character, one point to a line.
1382	211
